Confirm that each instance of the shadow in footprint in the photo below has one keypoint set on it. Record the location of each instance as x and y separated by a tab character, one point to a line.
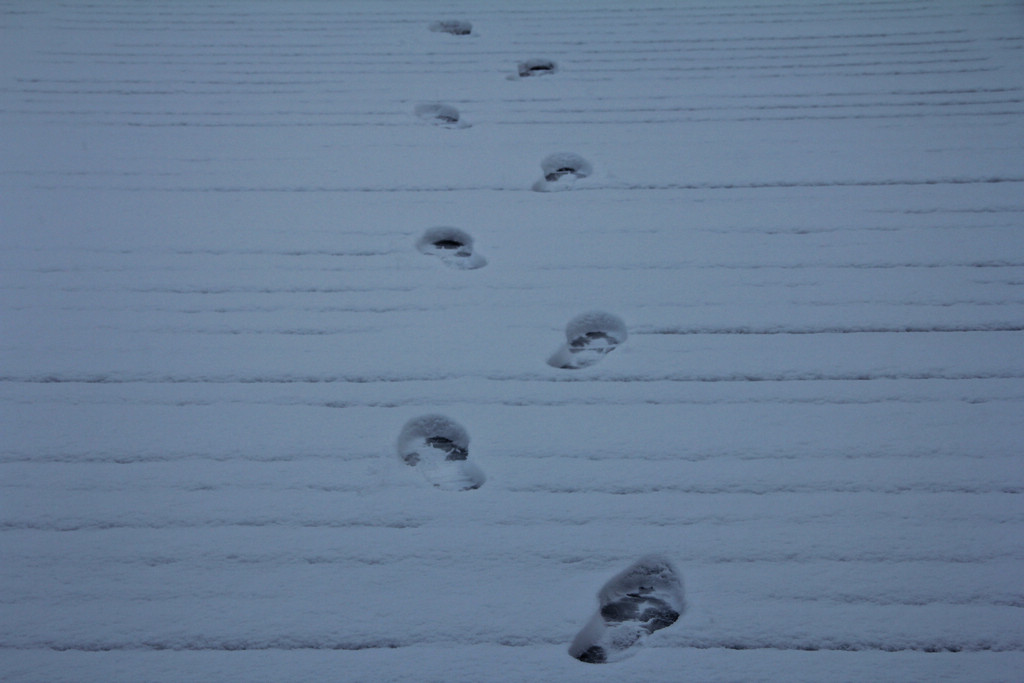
535	67
439	448
453	246
589	337
561	171
456	27
646	597
440	114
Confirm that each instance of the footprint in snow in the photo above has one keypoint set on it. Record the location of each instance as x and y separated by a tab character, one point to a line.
439	448
589	337
456	27
561	171
534	67
644	598
453	246
440	115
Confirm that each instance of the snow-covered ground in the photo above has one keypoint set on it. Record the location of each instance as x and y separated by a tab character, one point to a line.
217	315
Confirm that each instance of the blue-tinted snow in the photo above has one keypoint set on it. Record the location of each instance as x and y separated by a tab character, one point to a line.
215	321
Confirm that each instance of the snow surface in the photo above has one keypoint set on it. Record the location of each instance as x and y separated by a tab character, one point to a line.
215	321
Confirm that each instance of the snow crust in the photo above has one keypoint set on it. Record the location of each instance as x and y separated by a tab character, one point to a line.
216	314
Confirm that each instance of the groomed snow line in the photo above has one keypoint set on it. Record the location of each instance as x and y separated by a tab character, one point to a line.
267	266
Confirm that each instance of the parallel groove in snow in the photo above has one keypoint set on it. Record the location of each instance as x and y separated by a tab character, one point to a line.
234	645
215	322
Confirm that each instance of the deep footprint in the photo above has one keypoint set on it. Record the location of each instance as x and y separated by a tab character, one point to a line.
536	67
456	27
453	246
589	337
646	597
439	448
561	171
440	114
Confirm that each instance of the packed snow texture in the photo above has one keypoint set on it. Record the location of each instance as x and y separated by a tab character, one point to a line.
588	337
438	447
453	246
643	598
456	27
536	67
216	318
561	171
440	114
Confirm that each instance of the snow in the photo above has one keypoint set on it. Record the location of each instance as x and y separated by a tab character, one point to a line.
645	597
438	447
453	246
216	319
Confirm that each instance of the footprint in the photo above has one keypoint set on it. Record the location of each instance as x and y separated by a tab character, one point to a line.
453	246
561	171
456	27
440	114
644	598
439	447
535	67
589	337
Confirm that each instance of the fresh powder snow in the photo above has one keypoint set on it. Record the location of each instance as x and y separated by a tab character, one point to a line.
267	266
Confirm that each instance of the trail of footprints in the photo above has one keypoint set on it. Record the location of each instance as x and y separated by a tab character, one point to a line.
646	596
